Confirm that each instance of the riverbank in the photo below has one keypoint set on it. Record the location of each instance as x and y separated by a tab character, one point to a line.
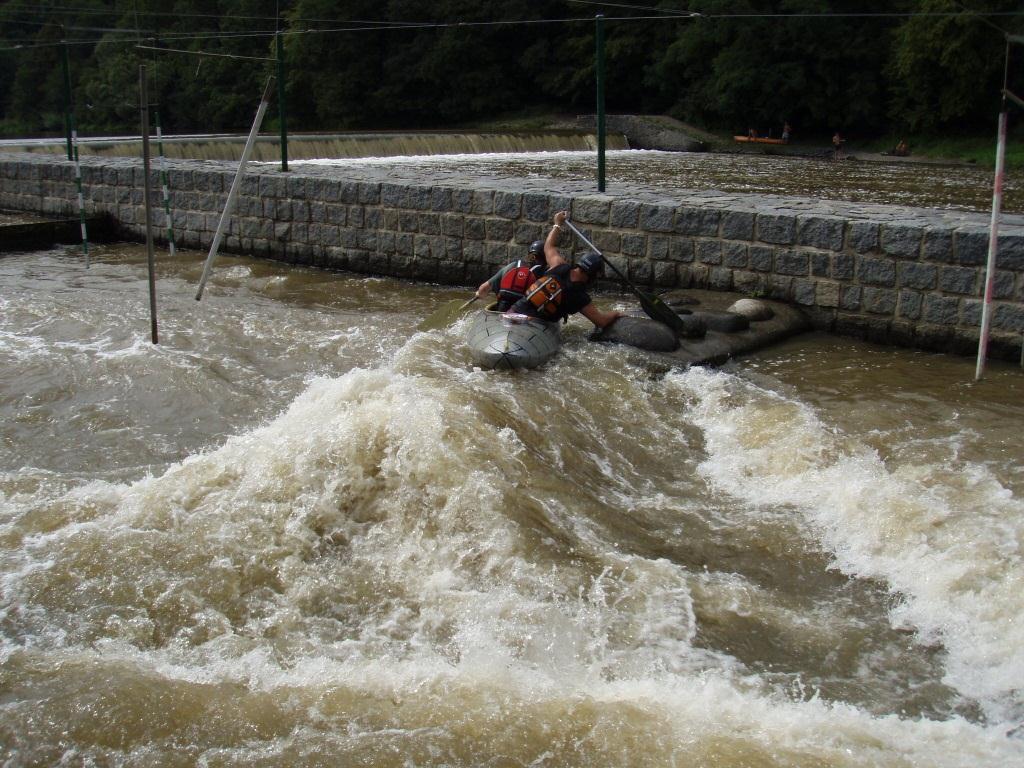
677	135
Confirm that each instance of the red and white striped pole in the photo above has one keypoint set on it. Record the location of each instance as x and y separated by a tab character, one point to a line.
993	247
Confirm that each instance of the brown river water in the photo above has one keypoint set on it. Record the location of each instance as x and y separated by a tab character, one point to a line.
299	532
950	187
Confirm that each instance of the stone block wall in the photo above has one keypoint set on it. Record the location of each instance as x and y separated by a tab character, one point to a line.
893	275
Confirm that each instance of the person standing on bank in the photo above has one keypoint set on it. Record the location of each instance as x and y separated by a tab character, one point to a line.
837	146
511	282
562	290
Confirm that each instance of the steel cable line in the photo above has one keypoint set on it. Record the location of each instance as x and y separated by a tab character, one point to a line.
384	26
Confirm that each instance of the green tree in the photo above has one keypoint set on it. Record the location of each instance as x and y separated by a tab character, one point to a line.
408	69
820	64
759	62
949	69
35	91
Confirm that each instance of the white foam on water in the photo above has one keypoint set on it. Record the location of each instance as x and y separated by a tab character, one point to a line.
949	545
357	547
459	159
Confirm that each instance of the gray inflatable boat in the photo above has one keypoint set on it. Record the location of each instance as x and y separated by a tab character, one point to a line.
498	340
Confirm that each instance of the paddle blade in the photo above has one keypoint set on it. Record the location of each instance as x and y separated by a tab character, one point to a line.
656	309
445	315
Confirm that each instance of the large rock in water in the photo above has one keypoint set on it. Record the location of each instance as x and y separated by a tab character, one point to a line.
641	333
726	322
752	309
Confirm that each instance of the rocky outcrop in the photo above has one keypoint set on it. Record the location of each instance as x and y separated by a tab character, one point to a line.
649	132
728	332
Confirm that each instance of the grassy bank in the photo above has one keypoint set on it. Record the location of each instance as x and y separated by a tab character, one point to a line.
980	150
972	149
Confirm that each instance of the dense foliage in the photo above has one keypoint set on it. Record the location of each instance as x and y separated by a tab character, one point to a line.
861	66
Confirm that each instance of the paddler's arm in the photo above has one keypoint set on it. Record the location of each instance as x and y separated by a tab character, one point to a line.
492	283
551	254
600	318
484	289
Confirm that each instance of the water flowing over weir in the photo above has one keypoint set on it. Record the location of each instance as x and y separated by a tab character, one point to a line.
312	146
298	532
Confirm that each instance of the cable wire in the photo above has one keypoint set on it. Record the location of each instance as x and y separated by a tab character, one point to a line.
201	53
363	26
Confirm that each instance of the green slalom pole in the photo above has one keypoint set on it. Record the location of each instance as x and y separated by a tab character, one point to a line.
68	120
599	35
81	198
280	103
164	184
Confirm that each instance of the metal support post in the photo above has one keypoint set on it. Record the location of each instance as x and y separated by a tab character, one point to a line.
599	34
69	120
144	100
281	111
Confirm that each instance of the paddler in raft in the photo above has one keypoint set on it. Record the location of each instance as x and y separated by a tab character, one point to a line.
562	290
511	282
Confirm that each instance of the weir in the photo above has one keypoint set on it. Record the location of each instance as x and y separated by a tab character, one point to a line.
311	146
911	277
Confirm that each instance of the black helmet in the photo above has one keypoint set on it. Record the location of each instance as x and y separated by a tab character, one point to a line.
536	248
592	263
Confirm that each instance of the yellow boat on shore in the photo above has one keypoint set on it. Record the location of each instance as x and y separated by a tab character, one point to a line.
759	140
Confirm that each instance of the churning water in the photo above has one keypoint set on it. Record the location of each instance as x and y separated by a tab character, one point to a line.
300	532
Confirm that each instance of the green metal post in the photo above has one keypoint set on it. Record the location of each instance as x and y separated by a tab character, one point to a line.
599	19
150	259
68	119
280	102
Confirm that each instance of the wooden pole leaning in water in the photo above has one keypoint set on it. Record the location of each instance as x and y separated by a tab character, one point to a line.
144	99
233	193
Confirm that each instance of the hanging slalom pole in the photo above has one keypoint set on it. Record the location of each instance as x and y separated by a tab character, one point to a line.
233	193
993	247
81	199
993	236
164	185
144	102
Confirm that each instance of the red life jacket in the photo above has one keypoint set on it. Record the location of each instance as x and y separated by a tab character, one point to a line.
515	282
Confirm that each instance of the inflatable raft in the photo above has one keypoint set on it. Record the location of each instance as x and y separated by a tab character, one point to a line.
498	340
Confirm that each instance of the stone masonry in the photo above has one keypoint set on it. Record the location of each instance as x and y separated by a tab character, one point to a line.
911	277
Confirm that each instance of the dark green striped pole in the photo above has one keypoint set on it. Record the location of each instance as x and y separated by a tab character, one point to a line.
280	102
599	19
